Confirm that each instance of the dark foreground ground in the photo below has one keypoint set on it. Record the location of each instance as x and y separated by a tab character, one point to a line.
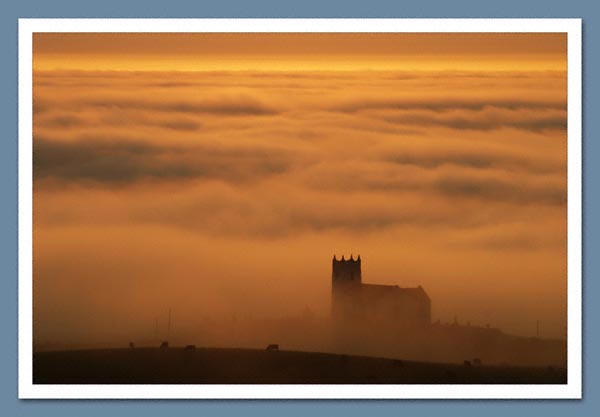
249	366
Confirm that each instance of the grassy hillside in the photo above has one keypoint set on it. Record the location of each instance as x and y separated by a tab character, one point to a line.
249	366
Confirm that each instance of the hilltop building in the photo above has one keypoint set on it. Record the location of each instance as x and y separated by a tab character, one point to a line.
354	302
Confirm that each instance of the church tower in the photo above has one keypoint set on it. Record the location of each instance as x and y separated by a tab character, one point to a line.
346	280
346	271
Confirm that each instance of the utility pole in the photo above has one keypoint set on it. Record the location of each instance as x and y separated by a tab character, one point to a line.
155	329
169	325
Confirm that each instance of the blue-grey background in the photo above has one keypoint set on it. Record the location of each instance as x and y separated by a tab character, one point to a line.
11	11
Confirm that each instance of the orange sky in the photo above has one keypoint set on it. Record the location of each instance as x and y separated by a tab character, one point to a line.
258	51
218	174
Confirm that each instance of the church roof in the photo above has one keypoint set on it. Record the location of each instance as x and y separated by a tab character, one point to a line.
384	290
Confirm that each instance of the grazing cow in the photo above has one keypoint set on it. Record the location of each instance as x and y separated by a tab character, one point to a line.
164	345
190	348
273	348
477	362
467	363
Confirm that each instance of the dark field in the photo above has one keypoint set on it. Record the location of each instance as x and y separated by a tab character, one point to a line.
249	366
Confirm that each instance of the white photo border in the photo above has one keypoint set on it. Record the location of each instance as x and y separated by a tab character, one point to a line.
571	390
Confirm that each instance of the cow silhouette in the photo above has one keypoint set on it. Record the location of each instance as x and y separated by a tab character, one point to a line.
273	348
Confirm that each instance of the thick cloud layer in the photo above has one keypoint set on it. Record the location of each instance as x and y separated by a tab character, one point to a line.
114	161
228	192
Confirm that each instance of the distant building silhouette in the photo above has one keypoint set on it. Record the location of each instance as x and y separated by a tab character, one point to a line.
356	303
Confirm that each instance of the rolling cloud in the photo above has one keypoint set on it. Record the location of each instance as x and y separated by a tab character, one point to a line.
537	122
443	104
479	159
122	162
346	172
225	106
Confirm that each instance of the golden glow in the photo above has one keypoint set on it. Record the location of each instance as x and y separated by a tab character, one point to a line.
219	173
286	52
